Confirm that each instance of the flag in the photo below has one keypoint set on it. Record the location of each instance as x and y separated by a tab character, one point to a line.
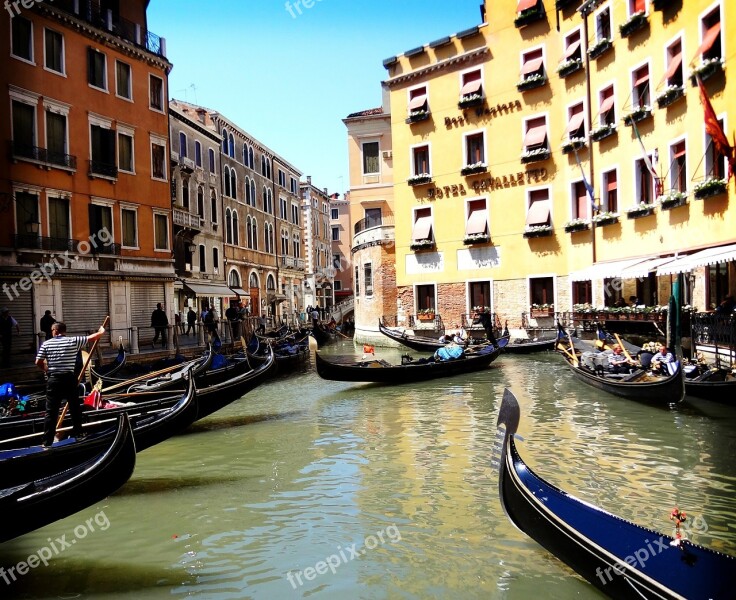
714	130
647	160
588	187
368	349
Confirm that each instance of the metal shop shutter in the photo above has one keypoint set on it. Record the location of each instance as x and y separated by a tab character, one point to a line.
85	304
143	299
21	309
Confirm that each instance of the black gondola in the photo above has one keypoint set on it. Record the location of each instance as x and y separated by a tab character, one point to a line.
109	370
716	385
622	559
288	351
379	371
322	335
36	503
529	346
415	342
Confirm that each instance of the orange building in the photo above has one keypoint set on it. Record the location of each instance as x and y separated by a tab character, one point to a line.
85	199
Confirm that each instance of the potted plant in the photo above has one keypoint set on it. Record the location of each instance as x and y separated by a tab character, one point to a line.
583	311
470	100
710	187
481	309
542	310
529	15
638	114
670	94
479	167
534	80
603	131
633	23
418	115
640	210
706	70
574	143
530	156
422	244
600	47
605	218
569	66
672	199
577	225
538	231
426	314
421	179
476	238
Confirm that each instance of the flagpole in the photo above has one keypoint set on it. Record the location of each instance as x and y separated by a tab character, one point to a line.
585	11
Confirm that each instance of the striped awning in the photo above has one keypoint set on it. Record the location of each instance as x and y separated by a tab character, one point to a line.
605	270
208	289
703	258
643	269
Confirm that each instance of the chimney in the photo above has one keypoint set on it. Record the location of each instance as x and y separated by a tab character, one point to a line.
309	179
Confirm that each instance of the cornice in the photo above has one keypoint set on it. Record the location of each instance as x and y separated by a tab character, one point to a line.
440	66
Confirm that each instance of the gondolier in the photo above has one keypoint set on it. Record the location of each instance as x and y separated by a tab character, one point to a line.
57	358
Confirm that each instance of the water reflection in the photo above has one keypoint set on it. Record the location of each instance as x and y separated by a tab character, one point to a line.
306	468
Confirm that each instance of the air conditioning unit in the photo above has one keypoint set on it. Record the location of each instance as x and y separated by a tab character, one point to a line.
388	154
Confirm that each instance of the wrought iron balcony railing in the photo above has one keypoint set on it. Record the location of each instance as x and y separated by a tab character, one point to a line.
27	151
97	167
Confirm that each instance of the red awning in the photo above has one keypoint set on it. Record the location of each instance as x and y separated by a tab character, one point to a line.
612	183
418	102
471	87
642	76
526	4
679	150
675	62
576	121
640	6
422	229
571	49
708	39
477	222
535	136
539	212
607	104
532	66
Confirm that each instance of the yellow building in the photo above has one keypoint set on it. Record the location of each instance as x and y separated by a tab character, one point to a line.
499	133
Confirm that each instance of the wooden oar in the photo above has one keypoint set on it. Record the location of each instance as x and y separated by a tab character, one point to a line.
626	352
81	375
575	360
146	376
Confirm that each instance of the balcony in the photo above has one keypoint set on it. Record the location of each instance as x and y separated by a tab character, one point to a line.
184	218
187	164
27	241
19	151
101	169
289	262
107	249
374	231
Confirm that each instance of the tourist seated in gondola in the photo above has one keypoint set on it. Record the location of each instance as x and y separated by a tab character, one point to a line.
449	352
457	335
661	359
618	362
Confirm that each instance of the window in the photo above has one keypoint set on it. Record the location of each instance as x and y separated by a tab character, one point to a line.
24	129
715	161
233	184
603	25
248	232
269	202
674	73
542	290
335	234
268	238
282	178
202	258
53	50
103	151
158	161
123	80
282	209
640	89
479	293
213	207
100	219
338	285
607	113
251	160
710	31
185	192
26	211
215	260
156	92
644	181
610	191
236	229
228	226
231	146
264	197
292	186
422	229
295	214
245	154
636	6
182	144
59	228
284	242
130	228
471	86
161	232
253	192
56	137
296	245
22	34
582	292
532	65
576	123
357	281
372	217
613	291
211	156
368	279
573	51
334	214
198	154
425	297
200	201
263	165
540	209
580	201
125	152
224	141
717	283
418	104
371	165
535	136
255	235
475	153
96	69
476	224
247	190
678	167
420	161
226	179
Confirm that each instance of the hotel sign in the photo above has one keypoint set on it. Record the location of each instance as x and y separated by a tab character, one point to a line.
528	177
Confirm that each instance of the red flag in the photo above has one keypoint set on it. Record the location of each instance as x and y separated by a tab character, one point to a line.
714	130
368	349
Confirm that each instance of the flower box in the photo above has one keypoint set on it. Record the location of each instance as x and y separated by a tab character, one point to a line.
603	219
635	22
706	69
537	313
417	116
532	81
710	187
477	239
577	225
422	245
670	94
638	114
602	132
569	67
473	169
426	317
530	15
672	200
538	231
573	144
641	210
600	48
419	179
470	100
537	155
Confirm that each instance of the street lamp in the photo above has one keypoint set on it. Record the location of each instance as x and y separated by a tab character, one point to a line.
32	227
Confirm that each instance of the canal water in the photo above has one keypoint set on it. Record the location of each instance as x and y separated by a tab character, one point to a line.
307	488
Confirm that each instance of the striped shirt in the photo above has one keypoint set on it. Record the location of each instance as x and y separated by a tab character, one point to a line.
61	353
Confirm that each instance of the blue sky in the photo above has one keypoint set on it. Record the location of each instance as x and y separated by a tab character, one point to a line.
289	80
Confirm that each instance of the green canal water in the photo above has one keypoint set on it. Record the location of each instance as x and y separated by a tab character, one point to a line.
306	488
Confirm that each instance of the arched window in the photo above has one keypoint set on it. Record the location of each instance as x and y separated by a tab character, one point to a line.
249	231
224	140
182	144
233	279
228	227
185	192
198	153
247	190
251	164
202	259
236	233
213	206
200	201
215	259
245	154
233	184
269	210
263	165
284	242
268	168
296	246
253	281
232	146
265	198
255	234
253	192
227	181
270	284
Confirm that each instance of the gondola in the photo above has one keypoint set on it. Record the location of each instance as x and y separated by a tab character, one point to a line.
640	385
109	370
622	559
36	503
380	371
716	385
23	458
529	346
321	335
287	353
415	342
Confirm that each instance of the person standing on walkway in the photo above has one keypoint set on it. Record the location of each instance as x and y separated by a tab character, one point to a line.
191	321
159	321
46	322
7	324
57	358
